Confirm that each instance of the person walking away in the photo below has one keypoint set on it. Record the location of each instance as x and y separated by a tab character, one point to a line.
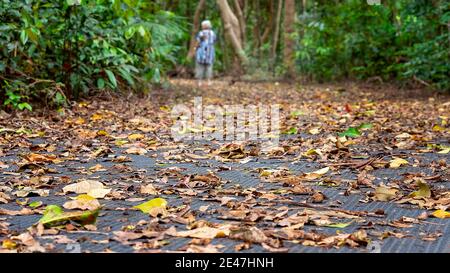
205	53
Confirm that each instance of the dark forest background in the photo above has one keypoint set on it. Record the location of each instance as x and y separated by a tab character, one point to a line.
54	51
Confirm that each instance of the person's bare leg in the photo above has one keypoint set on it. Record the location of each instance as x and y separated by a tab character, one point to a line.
209	73
199	74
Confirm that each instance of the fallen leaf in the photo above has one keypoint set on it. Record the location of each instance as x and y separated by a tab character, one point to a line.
424	190
340	225
23	211
83	202
317	174
397	162
154	203
204	232
148	189
351	132
252	235
93	188
136	151
134	137
442	214
384	194
54	216
9	244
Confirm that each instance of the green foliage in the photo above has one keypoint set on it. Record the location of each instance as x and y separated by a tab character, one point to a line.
73	47
14	98
401	39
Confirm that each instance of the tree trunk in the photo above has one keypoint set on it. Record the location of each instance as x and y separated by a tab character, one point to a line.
269	26
241	20
232	30
289	41
276	32
195	28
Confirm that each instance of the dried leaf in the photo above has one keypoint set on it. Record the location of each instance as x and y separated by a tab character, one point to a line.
83	202
384	194
397	162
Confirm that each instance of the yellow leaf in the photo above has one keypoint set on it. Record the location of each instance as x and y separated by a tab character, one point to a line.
424	190
96	117
133	137
438	128
397	162
266	173
311	152
165	108
121	142
9	244
102	133
154	203
441	214
444	151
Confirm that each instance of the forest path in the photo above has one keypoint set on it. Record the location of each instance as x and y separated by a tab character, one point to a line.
342	179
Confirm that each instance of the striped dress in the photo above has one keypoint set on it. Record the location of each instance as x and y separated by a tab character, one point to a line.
205	52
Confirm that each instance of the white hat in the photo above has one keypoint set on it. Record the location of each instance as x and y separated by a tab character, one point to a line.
206	24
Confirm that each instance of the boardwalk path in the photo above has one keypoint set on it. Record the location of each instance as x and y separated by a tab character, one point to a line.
255	201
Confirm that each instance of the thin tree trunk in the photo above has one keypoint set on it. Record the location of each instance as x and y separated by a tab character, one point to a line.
195	27
241	20
276	32
232	30
269	24
289	42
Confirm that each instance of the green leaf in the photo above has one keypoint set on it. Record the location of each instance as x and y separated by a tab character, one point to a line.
54	216
130	32
154	203
297	113
23	36
111	77
100	83
126	75
35	204
142	31
51	212
365	126
351	132
73	2
156	76
24	105
292	131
